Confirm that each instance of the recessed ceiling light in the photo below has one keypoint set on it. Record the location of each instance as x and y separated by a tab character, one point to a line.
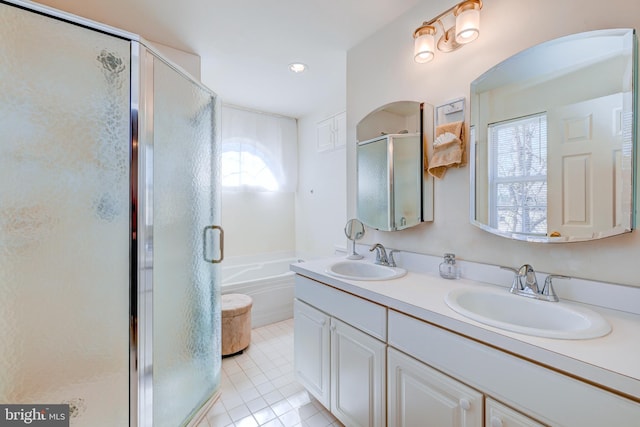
297	67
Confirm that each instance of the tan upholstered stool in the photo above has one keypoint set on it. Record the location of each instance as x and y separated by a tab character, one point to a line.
236	323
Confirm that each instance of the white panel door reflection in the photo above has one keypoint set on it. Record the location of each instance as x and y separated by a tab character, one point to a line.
585	167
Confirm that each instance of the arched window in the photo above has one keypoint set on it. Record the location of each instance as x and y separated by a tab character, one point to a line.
243	166
258	151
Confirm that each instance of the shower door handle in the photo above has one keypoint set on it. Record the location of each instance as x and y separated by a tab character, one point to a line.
204	244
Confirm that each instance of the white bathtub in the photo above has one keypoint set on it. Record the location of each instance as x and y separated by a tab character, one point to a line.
270	283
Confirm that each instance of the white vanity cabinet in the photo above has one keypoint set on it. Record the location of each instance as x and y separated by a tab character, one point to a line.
420	395
499	415
534	391
340	352
357	376
311	350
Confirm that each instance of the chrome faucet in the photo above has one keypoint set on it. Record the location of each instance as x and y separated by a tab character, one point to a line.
381	254
525	283
530	284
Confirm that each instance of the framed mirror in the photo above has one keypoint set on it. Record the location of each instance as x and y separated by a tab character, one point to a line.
553	131
393	191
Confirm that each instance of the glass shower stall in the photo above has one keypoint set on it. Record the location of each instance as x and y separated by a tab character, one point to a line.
109	243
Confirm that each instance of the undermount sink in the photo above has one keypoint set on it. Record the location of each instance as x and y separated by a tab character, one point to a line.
529	316
362	270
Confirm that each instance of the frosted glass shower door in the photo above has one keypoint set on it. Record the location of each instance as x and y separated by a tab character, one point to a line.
64	217
186	303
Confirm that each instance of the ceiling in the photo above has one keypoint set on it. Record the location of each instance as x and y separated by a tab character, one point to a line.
246	45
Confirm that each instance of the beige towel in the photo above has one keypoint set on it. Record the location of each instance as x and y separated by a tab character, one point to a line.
448	149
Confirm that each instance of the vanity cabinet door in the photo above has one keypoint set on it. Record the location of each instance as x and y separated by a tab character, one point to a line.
499	415
311	350
357	377
419	395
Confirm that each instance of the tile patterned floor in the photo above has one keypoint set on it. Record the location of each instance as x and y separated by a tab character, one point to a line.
259	388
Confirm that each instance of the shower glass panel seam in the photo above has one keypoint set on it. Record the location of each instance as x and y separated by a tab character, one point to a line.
144	292
141	402
135	277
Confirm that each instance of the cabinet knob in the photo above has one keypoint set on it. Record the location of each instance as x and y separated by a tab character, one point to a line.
496	422
323	322
333	327
465	404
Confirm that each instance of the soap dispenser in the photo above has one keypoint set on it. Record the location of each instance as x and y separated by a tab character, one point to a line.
448	268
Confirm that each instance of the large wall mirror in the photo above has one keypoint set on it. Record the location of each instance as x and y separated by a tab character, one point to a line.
553	133
393	191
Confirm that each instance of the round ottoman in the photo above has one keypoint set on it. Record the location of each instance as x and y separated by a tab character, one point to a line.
236	323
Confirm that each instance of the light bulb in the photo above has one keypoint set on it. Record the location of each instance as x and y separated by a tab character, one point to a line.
424	44
467	25
297	67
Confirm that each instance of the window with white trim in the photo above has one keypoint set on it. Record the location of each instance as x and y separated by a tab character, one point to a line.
518	175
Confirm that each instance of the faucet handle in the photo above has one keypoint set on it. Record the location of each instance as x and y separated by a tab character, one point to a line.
547	290
515	285
392	261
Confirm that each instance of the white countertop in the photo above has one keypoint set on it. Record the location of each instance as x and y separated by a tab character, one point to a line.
612	361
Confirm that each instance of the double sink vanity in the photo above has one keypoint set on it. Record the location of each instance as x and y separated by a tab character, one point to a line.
391	346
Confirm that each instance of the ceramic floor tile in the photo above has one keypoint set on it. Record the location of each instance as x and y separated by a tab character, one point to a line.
249	394
247	422
317	420
264	415
274	396
273	423
307	411
239	412
281	407
219	420
257	404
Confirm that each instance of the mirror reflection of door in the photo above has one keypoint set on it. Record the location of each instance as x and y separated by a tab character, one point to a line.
585	167
583	87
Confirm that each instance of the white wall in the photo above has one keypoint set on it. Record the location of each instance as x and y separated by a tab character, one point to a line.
258	223
190	62
381	70
321	201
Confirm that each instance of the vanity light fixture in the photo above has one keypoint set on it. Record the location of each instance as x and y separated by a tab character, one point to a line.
465	30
